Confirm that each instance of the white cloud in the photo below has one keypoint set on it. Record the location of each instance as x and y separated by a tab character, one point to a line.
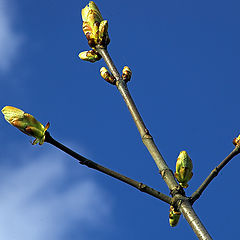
40	200
10	39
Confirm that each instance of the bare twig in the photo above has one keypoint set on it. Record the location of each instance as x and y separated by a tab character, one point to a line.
145	135
140	186
213	174
184	205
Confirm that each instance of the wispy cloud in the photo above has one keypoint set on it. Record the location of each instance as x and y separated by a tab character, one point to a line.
39	200
10	39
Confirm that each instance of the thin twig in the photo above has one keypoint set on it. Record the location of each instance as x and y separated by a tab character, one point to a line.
184	206
145	135
140	186
213	174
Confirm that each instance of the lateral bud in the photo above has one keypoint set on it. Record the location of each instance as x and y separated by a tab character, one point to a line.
126	74
107	76
90	56
173	216
236	141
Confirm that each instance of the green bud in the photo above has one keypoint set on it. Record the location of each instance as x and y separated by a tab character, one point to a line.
91	56
183	169
173	217
107	76
25	123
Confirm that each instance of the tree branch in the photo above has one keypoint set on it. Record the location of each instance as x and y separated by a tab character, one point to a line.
145	135
82	160
167	175
213	174
193	220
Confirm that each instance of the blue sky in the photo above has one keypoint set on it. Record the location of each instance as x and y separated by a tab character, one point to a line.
185	58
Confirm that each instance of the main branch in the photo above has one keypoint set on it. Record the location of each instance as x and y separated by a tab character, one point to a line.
145	135
167	175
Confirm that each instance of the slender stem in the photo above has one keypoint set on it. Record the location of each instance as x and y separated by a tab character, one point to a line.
184	206
213	174
145	135
140	186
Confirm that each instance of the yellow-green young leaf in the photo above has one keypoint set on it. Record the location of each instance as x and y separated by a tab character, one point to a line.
26	123
173	217
183	169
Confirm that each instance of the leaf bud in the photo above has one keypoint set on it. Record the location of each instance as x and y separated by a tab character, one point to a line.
173	216
183	169
126	74
25	123
107	76
90	56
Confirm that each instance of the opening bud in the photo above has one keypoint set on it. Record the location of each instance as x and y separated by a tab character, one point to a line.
94	27
25	123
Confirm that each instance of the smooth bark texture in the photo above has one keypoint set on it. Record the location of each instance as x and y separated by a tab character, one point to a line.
140	186
184	206
213	174
193	220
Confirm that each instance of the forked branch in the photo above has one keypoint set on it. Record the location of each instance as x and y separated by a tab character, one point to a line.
183	203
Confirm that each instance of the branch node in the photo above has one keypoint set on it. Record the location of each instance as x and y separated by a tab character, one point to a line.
177	200
164	172
192	200
85	162
146	134
215	171
177	190
174	201
142	187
